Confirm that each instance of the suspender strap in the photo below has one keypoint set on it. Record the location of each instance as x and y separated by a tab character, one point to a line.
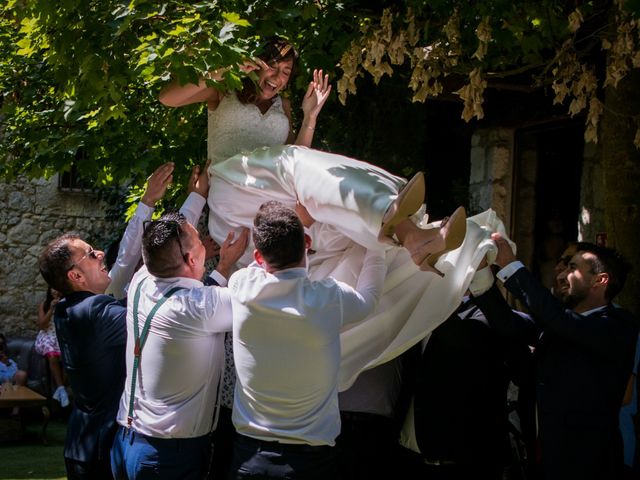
141	338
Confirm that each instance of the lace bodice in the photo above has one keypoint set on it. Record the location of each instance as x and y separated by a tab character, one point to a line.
235	127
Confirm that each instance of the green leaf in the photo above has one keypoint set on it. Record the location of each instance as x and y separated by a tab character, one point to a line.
236	19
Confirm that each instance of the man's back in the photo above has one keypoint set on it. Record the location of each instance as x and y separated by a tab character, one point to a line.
91	333
181	359
287	354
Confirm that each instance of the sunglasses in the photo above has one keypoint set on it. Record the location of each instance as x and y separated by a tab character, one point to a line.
174	228
91	253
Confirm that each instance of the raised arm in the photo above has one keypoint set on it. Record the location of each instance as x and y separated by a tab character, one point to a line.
197	189
362	301
130	250
44	318
176	95
312	103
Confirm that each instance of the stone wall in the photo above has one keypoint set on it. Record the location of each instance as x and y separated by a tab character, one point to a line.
491	176
33	213
504	178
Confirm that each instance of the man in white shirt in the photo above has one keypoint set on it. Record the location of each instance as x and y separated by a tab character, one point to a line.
286	341
174	356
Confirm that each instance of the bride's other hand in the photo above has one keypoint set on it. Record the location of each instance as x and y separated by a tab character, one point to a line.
316	96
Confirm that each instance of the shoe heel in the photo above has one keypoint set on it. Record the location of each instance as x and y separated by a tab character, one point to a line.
456	229
409	200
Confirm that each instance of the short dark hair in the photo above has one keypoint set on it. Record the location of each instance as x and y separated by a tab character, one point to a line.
55	261
610	261
162	246
278	235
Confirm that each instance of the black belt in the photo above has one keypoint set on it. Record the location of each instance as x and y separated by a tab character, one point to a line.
273	446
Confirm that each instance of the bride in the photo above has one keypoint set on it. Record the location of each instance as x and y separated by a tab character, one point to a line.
353	206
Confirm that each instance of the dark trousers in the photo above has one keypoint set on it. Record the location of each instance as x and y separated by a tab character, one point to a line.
258	460
584	451
412	466
367	446
222	438
137	456
98	470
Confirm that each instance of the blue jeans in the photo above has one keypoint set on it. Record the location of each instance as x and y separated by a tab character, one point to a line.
137	456
257	459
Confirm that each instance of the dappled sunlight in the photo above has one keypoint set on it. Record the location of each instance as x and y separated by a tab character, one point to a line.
583	222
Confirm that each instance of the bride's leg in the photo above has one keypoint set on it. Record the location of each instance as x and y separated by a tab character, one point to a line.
426	246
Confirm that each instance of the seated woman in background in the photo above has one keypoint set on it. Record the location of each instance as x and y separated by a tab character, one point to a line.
9	372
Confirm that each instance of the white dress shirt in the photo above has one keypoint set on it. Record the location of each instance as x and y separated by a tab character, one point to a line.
286	341
182	359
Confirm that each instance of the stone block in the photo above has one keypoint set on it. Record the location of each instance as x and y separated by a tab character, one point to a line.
477	173
27	232
499	160
20	201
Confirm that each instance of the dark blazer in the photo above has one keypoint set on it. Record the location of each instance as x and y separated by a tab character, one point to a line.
460	399
583	364
92	334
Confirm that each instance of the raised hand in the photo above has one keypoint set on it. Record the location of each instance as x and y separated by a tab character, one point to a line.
211	247
231	251
505	254
253	65
317	94
157	184
199	180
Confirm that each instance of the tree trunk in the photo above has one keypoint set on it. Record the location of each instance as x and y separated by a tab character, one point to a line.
620	161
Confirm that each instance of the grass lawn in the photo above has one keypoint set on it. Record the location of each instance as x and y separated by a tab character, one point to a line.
29	458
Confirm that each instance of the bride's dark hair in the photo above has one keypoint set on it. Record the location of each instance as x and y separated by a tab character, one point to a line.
272	51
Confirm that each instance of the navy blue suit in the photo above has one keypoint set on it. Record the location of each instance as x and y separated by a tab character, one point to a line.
583	365
460	401
92	334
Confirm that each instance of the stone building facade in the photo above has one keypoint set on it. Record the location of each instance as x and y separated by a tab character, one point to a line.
33	213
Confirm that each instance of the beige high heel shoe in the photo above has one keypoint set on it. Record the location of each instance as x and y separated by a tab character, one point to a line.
452	231
408	202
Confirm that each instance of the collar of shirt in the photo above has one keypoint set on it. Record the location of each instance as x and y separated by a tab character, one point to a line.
593	310
288	273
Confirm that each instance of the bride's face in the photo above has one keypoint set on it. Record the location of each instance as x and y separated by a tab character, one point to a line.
273	78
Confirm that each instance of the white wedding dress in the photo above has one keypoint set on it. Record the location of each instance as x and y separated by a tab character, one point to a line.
348	198
235	127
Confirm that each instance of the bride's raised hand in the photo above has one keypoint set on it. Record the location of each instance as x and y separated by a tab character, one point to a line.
316	95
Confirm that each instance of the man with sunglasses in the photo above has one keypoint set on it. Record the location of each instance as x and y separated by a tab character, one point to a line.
91	325
91	333
174	356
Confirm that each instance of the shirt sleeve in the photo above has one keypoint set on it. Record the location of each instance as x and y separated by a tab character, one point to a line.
129	253
358	303
212	305
216	278
506	273
192	207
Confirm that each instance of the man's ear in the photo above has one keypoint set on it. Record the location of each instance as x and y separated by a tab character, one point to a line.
307	241
190	260
257	256
602	279
73	276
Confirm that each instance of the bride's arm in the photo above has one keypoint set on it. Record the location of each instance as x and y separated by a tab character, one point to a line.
176	95
313	101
